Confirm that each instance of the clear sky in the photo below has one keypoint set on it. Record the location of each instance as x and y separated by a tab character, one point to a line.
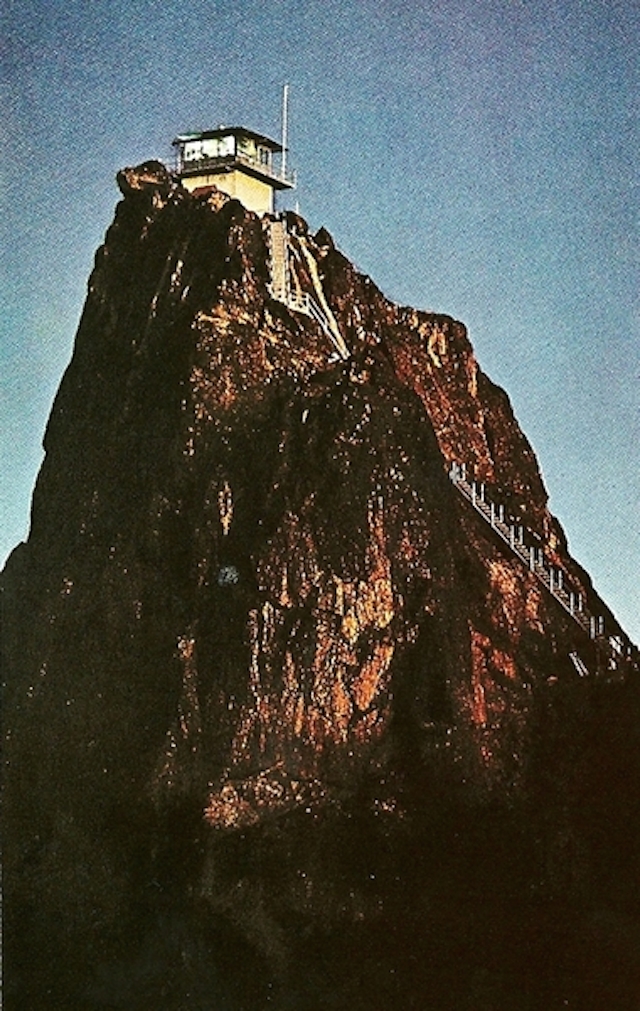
476	157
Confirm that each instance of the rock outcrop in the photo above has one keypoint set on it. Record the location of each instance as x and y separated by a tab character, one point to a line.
287	725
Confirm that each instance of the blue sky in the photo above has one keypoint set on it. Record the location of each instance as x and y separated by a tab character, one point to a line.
477	158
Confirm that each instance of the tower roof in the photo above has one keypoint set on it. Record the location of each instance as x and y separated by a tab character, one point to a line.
226	131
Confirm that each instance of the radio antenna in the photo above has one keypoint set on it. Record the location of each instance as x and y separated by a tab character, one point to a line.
285	112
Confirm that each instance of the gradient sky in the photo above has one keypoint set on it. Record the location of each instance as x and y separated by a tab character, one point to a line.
476	158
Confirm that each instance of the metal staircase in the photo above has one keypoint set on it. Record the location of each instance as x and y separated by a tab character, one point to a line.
617	648
300	301
279	255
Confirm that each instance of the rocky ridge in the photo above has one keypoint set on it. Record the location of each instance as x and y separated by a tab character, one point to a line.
276	696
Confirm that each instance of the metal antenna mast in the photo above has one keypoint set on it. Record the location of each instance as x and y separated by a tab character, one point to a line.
285	110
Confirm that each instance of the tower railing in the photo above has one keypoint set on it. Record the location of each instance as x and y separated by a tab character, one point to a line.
197	165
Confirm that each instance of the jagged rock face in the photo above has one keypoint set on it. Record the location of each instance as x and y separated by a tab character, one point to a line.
286	724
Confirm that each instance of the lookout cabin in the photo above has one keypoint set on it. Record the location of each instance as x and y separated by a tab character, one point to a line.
235	160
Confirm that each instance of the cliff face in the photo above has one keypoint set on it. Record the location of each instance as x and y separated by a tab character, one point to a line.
287	723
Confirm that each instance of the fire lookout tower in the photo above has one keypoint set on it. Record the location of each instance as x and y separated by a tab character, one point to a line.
235	160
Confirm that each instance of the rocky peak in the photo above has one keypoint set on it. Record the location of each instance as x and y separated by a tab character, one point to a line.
279	690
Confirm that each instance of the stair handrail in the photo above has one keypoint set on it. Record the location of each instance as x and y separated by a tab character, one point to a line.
554	578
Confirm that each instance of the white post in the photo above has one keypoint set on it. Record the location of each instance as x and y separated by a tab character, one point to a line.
493	515
473	492
551	572
532	557
285	112
512	535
